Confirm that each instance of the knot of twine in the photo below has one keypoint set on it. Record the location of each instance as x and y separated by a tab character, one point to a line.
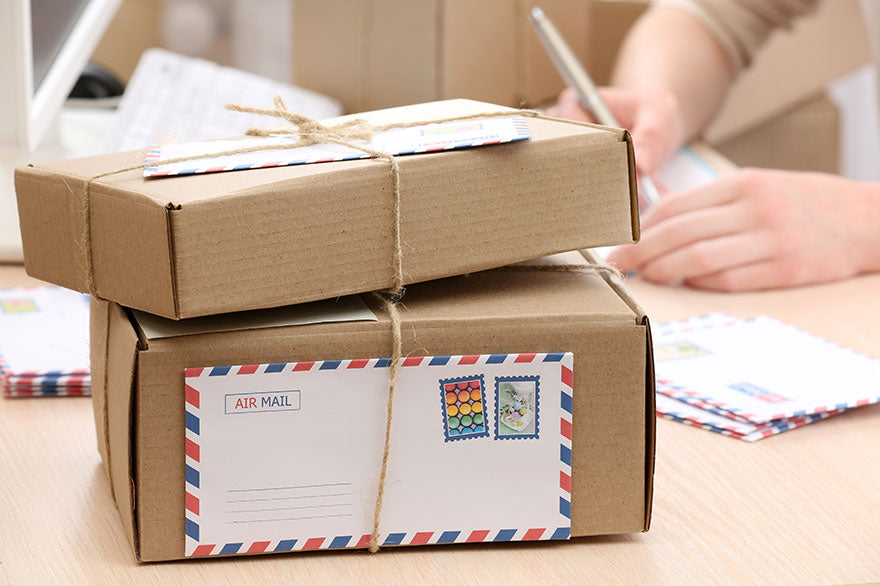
310	131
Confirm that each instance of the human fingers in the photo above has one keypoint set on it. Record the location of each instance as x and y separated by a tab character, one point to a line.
678	231
568	106
657	129
716	193
707	257
750	277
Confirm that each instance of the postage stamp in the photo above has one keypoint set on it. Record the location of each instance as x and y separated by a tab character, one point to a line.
463	413
517	407
678	350
18	306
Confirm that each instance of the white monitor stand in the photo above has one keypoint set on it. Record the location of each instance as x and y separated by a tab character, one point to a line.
44	45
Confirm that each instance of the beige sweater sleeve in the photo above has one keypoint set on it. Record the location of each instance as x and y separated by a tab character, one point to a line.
742	26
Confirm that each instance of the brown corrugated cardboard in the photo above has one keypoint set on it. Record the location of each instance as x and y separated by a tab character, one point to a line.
792	66
134	29
804	138
214	243
139	404
382	53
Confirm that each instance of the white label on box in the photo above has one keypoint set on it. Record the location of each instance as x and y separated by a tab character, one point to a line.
286	456
413	140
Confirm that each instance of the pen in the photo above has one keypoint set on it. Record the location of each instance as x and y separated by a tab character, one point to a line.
577	78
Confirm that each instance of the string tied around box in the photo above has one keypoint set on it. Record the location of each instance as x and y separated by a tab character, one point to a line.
352	134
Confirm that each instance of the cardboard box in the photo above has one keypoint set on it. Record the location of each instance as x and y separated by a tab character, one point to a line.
140	410
379	53
134	29
220	242
805	138
818	49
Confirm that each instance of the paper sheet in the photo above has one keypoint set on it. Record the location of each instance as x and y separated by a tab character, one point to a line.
685	171
760	370
348	308
401	141
286	457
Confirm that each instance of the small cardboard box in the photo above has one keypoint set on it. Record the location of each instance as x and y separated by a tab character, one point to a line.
800	56
138	385
804	138
221	242
379	53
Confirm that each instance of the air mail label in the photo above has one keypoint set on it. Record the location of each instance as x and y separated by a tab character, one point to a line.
262	402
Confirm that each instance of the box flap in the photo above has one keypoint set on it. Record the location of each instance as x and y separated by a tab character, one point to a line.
114	354
130	233
650	424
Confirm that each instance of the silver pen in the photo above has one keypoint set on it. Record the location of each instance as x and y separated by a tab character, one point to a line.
577	78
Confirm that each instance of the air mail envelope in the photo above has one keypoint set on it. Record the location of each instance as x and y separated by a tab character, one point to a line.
761	370
43	330
410	140
283	457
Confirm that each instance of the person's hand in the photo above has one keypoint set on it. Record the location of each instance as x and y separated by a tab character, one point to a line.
653	118
759	229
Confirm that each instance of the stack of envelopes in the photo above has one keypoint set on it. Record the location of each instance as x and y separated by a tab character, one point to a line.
241	362
754	378
44	342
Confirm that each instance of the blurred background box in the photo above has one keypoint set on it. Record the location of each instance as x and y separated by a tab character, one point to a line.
370	54
380	53
134	29
806	137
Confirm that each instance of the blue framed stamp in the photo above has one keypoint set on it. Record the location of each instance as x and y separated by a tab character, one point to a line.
464	414
517	407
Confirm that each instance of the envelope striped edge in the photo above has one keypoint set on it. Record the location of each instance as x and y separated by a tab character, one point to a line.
692	397
756	435
194	547
46	384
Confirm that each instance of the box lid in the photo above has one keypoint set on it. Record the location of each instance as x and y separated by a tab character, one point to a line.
220	242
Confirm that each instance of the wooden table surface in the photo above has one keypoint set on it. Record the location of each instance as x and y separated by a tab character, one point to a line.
801	507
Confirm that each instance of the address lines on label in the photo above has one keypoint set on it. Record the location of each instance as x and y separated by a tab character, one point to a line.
321	510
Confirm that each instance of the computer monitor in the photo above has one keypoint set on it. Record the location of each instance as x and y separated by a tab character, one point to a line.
44	45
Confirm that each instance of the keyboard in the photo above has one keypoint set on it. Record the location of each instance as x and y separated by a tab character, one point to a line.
174	98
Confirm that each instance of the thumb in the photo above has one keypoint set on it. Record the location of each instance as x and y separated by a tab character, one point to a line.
657	132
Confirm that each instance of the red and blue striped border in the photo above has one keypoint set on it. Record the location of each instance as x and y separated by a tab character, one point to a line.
192	456
45	384
756	435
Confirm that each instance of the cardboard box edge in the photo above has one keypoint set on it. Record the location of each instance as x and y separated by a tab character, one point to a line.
121	477
650	383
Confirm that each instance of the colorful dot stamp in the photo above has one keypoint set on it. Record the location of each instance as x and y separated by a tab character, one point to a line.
463	414
516	407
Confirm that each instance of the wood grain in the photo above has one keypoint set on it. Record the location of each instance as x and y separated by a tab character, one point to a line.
801	507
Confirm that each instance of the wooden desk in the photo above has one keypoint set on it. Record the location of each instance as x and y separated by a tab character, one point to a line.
801	507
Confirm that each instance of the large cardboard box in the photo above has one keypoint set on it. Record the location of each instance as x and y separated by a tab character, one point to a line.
379	53
221	242
134	29
793	66
138	385
804	138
